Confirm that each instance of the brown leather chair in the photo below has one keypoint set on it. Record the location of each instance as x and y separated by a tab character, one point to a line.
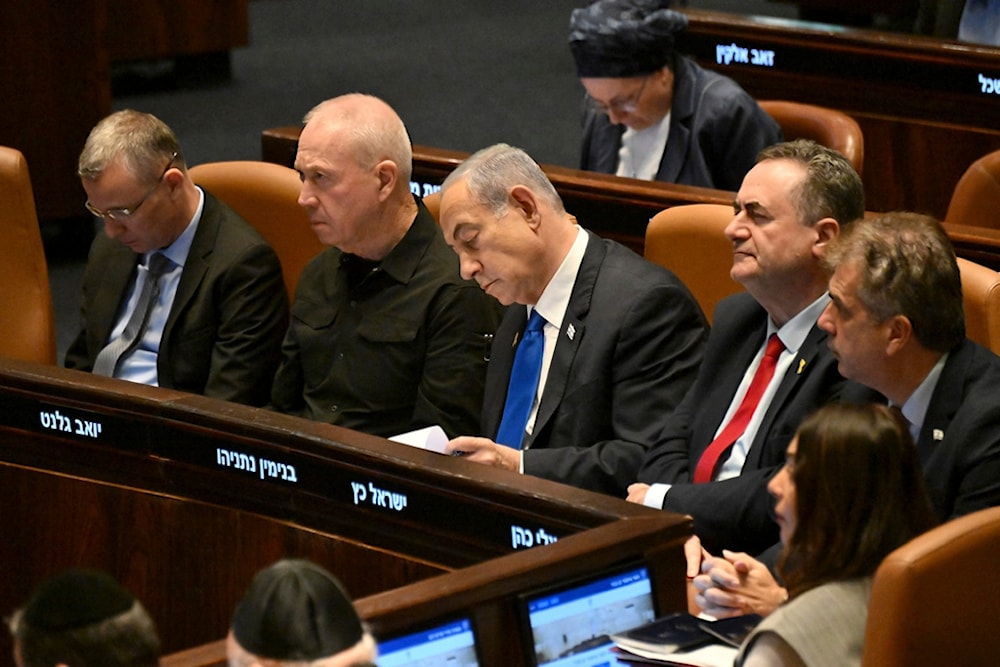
689	241
433	204
981	299
934	599
27	323
976	198
266	195
828	127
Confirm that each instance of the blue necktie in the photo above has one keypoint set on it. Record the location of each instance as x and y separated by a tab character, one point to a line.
523	383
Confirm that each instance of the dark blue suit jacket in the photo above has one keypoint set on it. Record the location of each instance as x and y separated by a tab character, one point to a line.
628	351
959	442
716	131
736	513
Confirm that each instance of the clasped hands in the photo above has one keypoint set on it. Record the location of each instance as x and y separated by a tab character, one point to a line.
732	584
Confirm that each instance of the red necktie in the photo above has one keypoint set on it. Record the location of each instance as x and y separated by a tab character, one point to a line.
738	424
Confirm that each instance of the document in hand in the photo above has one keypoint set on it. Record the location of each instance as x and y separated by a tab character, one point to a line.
683	639
432	438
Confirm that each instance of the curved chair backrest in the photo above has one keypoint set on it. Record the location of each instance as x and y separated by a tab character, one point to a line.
827	127
689	241
27	322
433	204
266	195
934	599
976	197
981	299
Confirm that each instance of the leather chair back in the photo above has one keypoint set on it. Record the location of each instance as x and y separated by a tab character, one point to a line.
689	240
827	127
981	299
266	195
433	204
934	599
976	197
27	322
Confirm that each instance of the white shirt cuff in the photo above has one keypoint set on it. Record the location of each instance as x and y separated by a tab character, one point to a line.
655	496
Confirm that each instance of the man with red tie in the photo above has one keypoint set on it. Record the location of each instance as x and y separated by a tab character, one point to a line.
767	364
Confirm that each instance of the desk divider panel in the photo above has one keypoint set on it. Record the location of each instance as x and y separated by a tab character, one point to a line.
183	498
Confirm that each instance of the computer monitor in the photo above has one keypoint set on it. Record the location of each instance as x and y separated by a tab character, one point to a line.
568	625
451	644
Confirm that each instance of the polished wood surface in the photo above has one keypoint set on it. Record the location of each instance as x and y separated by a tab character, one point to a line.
921	102
618	208
170	28
183	498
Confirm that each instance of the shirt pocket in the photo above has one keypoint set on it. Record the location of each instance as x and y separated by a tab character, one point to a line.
388	329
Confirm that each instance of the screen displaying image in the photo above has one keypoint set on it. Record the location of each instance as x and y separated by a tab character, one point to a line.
451	644
570	626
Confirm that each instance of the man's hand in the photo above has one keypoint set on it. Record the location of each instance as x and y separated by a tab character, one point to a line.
484	450
737	584
637	493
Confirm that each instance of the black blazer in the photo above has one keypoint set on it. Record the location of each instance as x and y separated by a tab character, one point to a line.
736	513
716	131
223	335
628	350
959	443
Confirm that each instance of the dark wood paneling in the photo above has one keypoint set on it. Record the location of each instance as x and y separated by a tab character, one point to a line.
920	101
130	479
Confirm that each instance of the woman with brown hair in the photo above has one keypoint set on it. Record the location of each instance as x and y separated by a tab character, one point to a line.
851	491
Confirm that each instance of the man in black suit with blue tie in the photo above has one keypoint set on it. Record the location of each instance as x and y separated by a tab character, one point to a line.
617	340
791	205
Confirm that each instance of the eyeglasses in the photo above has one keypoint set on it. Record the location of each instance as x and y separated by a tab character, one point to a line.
627	105
125	212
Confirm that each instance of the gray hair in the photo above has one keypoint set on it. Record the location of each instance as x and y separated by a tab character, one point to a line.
491	172
142	142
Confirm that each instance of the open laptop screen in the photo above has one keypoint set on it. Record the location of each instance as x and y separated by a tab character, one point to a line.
568	626
452	644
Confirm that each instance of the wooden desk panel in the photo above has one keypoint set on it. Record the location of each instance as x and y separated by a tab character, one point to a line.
923	104
127	478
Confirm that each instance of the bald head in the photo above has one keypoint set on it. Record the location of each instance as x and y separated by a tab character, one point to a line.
372	129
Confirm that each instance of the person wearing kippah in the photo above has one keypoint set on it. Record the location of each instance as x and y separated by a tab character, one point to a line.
297	613
83	618
653	114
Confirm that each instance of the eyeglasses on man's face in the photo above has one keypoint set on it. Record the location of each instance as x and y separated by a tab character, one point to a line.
122	213
621	105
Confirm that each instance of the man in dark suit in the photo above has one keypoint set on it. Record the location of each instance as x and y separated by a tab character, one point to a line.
654	114
622	337
217	306
896	323
791	205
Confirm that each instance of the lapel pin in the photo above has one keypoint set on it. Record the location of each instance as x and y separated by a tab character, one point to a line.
517	335
938	435
802	364
570	331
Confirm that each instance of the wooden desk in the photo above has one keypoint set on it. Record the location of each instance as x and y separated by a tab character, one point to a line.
613	207
183	498
617	208
922	103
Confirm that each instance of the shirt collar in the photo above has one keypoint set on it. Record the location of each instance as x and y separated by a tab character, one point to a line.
403	260
554	301
793	334
177	251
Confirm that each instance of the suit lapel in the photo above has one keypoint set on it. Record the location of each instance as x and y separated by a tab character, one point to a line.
571	334
605	145
498	371
195	265
796	374
681	114
945	401
117	275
